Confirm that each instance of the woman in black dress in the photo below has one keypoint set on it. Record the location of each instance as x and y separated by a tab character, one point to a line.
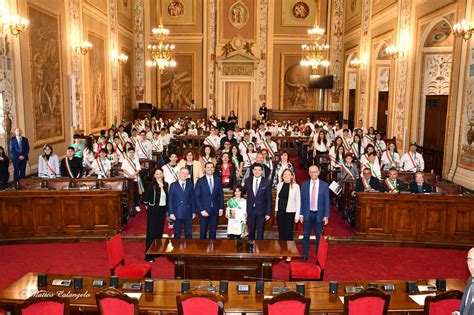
155	197
4	173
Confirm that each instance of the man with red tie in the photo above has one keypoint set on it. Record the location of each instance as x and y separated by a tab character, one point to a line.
315	205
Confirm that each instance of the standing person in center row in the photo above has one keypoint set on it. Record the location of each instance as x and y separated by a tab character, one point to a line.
315	205
287	205
259	201
181	204
209	202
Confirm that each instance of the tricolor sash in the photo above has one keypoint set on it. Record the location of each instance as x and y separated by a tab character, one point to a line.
269	148
390	157
206	159
69	170
210	142
133	141
249	158
236	162
245	144
122	139
355	150
172	172
370	137
366	184
49	166
347	170
378	144
141	186
371	168
389	184
101	167
155	145
412	160
345	143
140	145
260	135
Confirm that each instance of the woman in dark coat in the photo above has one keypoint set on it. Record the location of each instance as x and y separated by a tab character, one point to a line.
4	173
155	197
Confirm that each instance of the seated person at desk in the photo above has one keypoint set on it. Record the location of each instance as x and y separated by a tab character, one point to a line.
392	184
419	186
101	166
412	161
71	166
367	182
48	163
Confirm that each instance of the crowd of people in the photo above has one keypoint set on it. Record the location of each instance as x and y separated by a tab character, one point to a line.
246	161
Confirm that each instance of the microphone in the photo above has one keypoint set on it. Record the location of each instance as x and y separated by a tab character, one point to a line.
275	290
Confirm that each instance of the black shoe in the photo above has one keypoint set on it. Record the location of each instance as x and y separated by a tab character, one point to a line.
150	260
304	259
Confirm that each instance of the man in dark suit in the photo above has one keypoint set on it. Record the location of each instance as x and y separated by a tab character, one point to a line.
392	184
315	205
181	204
367	182
467	302
209	202
19	149
259	201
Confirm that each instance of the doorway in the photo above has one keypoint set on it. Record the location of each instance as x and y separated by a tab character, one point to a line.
382	113
352	103
434	132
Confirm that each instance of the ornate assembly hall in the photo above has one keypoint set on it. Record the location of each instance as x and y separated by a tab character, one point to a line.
201	157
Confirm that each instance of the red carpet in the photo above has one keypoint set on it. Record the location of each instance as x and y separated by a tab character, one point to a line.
344	263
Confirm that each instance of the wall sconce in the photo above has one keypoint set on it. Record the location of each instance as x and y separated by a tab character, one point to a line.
463	29
15	24
355	63
84	47
121	59
393	52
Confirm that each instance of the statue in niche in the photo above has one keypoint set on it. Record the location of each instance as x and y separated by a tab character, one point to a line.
175	95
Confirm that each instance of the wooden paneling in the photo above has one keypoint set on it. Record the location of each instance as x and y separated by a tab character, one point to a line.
441	219
64	213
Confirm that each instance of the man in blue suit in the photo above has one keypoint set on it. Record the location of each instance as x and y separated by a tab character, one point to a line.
314	208
19	149
259	201
467	302
209	202
181	204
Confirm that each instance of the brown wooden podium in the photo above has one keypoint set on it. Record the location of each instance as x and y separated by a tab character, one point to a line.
221	259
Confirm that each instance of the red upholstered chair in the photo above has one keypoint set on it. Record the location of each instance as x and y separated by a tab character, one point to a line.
2	311
200	302
309	271
117	261
113	302
444	303
370	301
287	303
53	305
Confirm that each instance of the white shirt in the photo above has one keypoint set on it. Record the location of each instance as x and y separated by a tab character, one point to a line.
170	173
256	180
181	183
97	167
44	170
127	167
143	149
313	183
408	165
162	197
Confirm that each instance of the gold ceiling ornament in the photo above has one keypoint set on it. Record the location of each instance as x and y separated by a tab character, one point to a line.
161	52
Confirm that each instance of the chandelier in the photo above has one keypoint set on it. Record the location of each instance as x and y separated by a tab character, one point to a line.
315	54
463	29
15	24
161	52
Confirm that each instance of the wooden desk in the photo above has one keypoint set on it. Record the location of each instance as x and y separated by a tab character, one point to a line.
163	298
439	219
220	259
43	214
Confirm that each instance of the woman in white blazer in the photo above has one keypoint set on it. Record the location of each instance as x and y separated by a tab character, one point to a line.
48	163
287	205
